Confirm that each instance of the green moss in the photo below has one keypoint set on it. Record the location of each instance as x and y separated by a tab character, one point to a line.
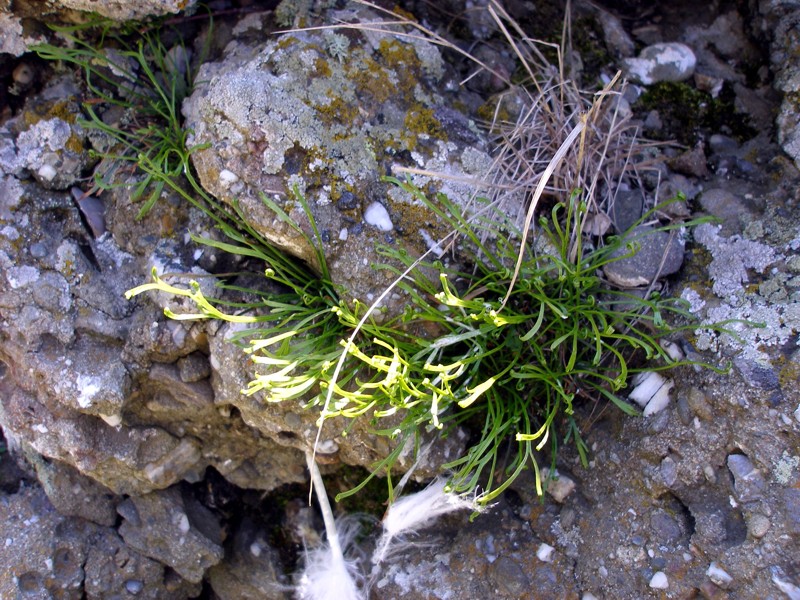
688	113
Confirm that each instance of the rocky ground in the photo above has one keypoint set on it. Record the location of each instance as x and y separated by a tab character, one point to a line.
133	466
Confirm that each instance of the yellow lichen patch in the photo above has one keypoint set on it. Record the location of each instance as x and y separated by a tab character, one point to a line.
74	144
789	374
321	68
369	77
421	121
337	111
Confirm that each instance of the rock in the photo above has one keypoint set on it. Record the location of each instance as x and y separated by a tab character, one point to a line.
661	62
666	529
726	205
249	571
559	487
719	576
669	471
758	525
785	18
172	529
659	581
659	254
73	494
732	257
616	38
13	40
360	118
46	555
127	11
628	208
747	480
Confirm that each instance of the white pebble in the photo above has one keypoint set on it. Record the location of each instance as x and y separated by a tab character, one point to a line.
112	420
718	575
377	215
228	178
659	581
183	523
47	172
343	234
545	552
255	549
651	392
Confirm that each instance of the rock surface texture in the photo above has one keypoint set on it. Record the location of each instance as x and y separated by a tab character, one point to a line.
145	472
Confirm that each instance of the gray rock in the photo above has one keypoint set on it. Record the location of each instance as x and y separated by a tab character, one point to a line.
791	506
174	530
74	494
13	40
666	530
617	39
659	254
726	205
747	480
249	571
120	10
661	62
46	555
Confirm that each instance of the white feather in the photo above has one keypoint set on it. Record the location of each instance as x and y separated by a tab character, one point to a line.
327	574
411	513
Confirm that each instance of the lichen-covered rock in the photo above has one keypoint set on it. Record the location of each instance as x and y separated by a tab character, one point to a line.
661	62
122	10
46	141
329	113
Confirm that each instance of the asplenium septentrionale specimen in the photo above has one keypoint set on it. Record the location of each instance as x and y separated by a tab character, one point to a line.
509	370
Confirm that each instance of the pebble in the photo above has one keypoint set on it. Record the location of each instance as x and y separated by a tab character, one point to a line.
134	586
747	480
650	260
718	575
659	581
758	525
661	62
559	487
666	530
545	553
669	471
699	403
377	215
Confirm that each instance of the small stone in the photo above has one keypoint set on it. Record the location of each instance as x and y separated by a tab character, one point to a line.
545	553
699	404
194	367
658	254
666	530
758	525
377	215
718	575
747	480
134	586
669	471
661	62
559	487
659	581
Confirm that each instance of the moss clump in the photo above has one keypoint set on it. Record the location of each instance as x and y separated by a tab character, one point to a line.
689	114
